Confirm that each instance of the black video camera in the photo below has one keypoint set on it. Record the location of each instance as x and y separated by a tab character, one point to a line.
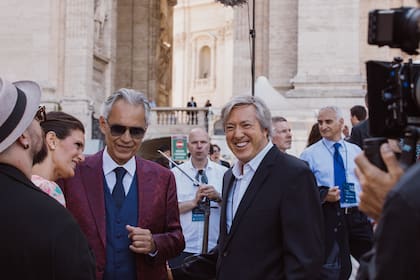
396	28
394	87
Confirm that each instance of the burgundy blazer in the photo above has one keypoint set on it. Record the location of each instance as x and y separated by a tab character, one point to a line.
158	212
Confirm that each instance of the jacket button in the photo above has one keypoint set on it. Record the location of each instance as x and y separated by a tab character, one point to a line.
225	254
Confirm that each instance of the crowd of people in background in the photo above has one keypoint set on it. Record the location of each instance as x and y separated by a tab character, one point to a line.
266	215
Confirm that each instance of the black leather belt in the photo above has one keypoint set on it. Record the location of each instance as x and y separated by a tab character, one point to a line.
349	210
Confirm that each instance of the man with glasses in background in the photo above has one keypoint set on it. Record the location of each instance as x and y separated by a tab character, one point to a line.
126	206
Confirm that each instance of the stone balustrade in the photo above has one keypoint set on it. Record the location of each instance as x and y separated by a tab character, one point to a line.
167	121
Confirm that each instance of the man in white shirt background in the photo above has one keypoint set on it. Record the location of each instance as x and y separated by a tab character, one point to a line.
190	196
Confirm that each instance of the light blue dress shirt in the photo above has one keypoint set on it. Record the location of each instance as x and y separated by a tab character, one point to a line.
320	157
243	175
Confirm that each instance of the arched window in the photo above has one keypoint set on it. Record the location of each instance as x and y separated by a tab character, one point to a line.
204	63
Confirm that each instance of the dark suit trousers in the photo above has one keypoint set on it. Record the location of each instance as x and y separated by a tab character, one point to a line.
352	231
358	238
360	233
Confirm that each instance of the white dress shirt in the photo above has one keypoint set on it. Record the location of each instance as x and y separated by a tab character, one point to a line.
193	231
108	167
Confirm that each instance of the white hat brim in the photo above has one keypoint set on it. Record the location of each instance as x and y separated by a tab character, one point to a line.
32	92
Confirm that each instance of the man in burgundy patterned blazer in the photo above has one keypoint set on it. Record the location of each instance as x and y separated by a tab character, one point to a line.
126	206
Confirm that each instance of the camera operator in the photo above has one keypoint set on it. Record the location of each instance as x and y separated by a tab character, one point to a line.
394	200
391	197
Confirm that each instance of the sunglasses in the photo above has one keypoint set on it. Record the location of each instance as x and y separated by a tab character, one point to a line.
135	132
41	115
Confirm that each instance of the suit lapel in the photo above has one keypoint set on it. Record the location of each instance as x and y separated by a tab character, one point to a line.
256	184
93	183
227	186
145	192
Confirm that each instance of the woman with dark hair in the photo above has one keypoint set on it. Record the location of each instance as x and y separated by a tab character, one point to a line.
64	142
314	135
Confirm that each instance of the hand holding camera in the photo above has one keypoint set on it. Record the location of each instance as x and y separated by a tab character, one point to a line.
376	183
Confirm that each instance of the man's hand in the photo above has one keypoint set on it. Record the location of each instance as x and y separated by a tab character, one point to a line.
376	183
199	195
186	206
210	192
333	194
141	240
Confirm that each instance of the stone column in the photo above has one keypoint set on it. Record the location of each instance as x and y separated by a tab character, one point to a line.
328	50
165	53
78	61
282	44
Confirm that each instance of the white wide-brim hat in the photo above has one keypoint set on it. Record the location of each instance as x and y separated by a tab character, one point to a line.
19	102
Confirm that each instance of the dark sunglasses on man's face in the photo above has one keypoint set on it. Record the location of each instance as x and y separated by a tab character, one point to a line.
135	132
40	115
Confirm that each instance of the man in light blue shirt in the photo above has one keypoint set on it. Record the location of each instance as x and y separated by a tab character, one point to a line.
331	160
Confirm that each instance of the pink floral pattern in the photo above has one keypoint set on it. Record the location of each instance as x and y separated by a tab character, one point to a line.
49	187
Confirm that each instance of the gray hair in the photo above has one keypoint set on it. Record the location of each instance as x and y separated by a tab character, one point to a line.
338	112
278	119
263	113
129	95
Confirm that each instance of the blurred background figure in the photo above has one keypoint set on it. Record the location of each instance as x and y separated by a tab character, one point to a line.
314	135
190	197
358	113
161	159
282	133
62	150
192	116
208	106
215	155
208	103
360	131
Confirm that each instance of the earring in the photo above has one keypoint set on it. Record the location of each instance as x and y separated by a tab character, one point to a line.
26	146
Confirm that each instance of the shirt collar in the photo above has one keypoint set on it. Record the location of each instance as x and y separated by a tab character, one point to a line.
192	168
253	163
109	164
330	144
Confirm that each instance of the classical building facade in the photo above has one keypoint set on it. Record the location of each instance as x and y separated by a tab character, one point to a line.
311	51
82	50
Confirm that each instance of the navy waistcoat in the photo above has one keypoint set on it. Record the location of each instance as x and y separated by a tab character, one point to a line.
120	260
